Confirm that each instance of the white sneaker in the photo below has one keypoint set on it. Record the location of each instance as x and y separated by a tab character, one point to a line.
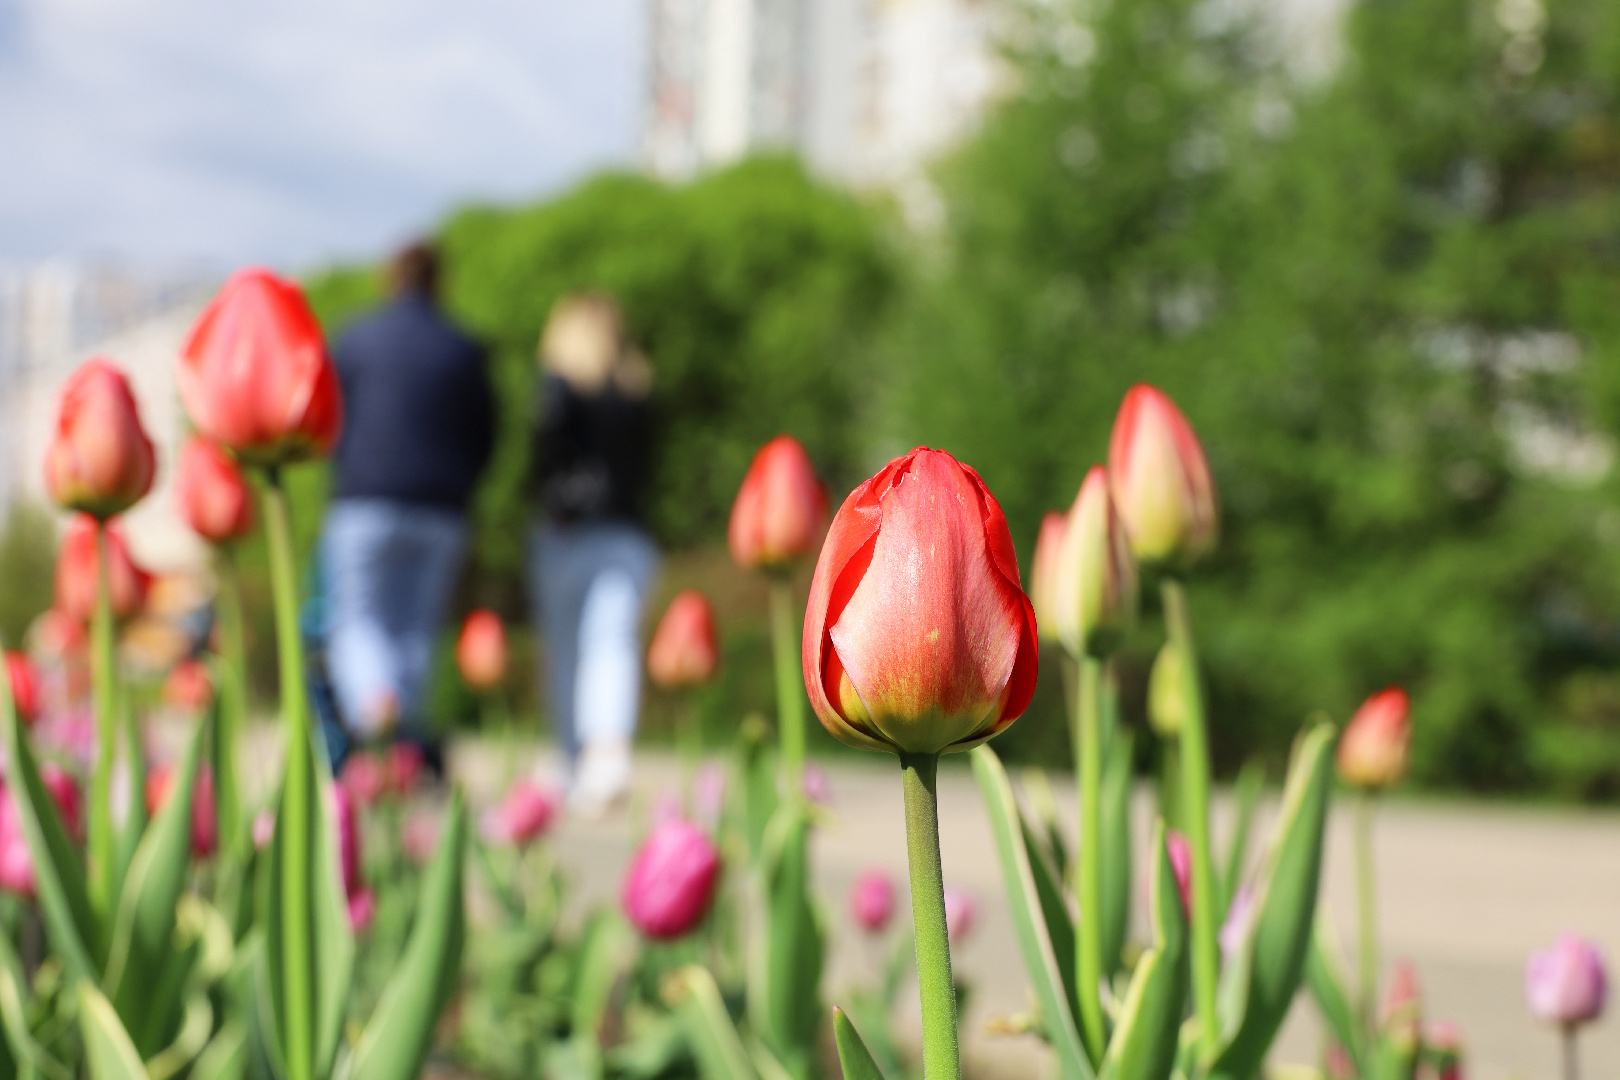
601	777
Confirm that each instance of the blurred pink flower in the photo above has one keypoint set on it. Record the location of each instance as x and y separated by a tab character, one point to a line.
204	822
1567	984
16	864
709	791
362	909
872	900
363	777
671	880
523	815
418	836
402	765
817	784
1236	926
362	904
64	791
666	807
961	912
1181	862
264	829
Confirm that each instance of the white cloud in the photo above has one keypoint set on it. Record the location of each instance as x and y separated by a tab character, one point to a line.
296	130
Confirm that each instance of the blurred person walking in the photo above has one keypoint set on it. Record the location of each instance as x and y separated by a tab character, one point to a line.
591	560
418	429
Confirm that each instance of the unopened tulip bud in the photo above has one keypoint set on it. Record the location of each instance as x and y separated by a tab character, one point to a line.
671	880
99	459
1180	852
1372	751
254	374
1043	574
1096	576
212	495
917	637
961	914
16	861
481	650
780	508
347	819
871	901
24	686
1167	691
76	572
1402	1012
1443	1049
685	648
523	815
1567	984
1161	482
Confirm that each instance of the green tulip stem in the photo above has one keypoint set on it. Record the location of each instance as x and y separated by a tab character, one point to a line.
1367	911
1195	815
1572	1063
104	674
785	618
1088	869
936	988
297	796
232	713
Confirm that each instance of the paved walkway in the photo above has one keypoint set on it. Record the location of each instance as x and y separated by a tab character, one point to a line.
1466	890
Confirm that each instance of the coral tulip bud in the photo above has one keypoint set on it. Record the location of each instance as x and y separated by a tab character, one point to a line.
204	816
76	573
188	688
99	459
1161	481
961	914
481	650
523	815
1180	852
871	901
1043	574
24	686
917	637
671	880
1096	576
1372	751
212	495
779	510
685	648
1167	696
1567	984
254	374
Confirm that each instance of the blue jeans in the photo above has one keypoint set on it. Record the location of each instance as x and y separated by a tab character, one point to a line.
391	568
589	584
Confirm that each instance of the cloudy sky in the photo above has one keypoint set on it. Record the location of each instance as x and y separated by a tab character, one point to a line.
295	131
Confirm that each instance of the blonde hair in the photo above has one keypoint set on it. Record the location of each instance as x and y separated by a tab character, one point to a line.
584	343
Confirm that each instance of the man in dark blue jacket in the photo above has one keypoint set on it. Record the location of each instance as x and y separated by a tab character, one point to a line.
418	427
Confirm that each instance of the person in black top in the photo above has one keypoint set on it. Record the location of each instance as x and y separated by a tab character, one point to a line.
592	560
418	428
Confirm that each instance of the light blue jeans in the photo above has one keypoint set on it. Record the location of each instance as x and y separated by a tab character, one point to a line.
391	567
589	583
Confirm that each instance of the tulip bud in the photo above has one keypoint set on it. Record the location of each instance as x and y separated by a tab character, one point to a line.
212	495
64	792
1443	1046
16	862
1161	481
99	459
1402	1018
917	637
523	815
1567	984
1096	576
254	374
24	686
362	909
160	783
364	777
685	649
481	650
961	914
418	836
1167	691
1372	751
188	688
76	573
1043	574
671	880
403	763
779	510
1180	852
871	901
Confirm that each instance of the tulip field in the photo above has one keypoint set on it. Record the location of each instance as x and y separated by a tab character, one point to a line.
172	920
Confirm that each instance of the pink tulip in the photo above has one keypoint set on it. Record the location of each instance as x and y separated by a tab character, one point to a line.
780	508
671	880
1444	1042
961	913
685	648
871	901
347	820
1372	751
481	650
1402	1011
1160	481
189	687
1043	573
362	909
364	777
523	815
16	862
403	763
1567	984
99	460
1181	863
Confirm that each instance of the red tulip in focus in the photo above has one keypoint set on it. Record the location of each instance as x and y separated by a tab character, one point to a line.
402	767
362	901
685	648
1181	864
1043	574
1372	751
76	572
481	650
523	815
961	913
1161	482
779	510
1095	596
871	901
917	637
188	688
671	880
1566	985
254	374
213	497
204	813
24	686
99	459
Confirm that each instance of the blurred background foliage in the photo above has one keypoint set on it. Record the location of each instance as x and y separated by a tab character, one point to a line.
1387	297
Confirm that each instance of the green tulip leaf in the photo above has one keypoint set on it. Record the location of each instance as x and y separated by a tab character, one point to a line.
602	959
1246	793
1040	963
396	1039
196	1024
1116	851
1055	914
134	827
1260	981
1325	975
784	1004
709	1029
756	799
853	1057
108	1051
19	1043
225	1056
1144	1043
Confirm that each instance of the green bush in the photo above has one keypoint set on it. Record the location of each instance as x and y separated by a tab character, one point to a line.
27	567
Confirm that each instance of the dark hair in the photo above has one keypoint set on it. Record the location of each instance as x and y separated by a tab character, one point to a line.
416	269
